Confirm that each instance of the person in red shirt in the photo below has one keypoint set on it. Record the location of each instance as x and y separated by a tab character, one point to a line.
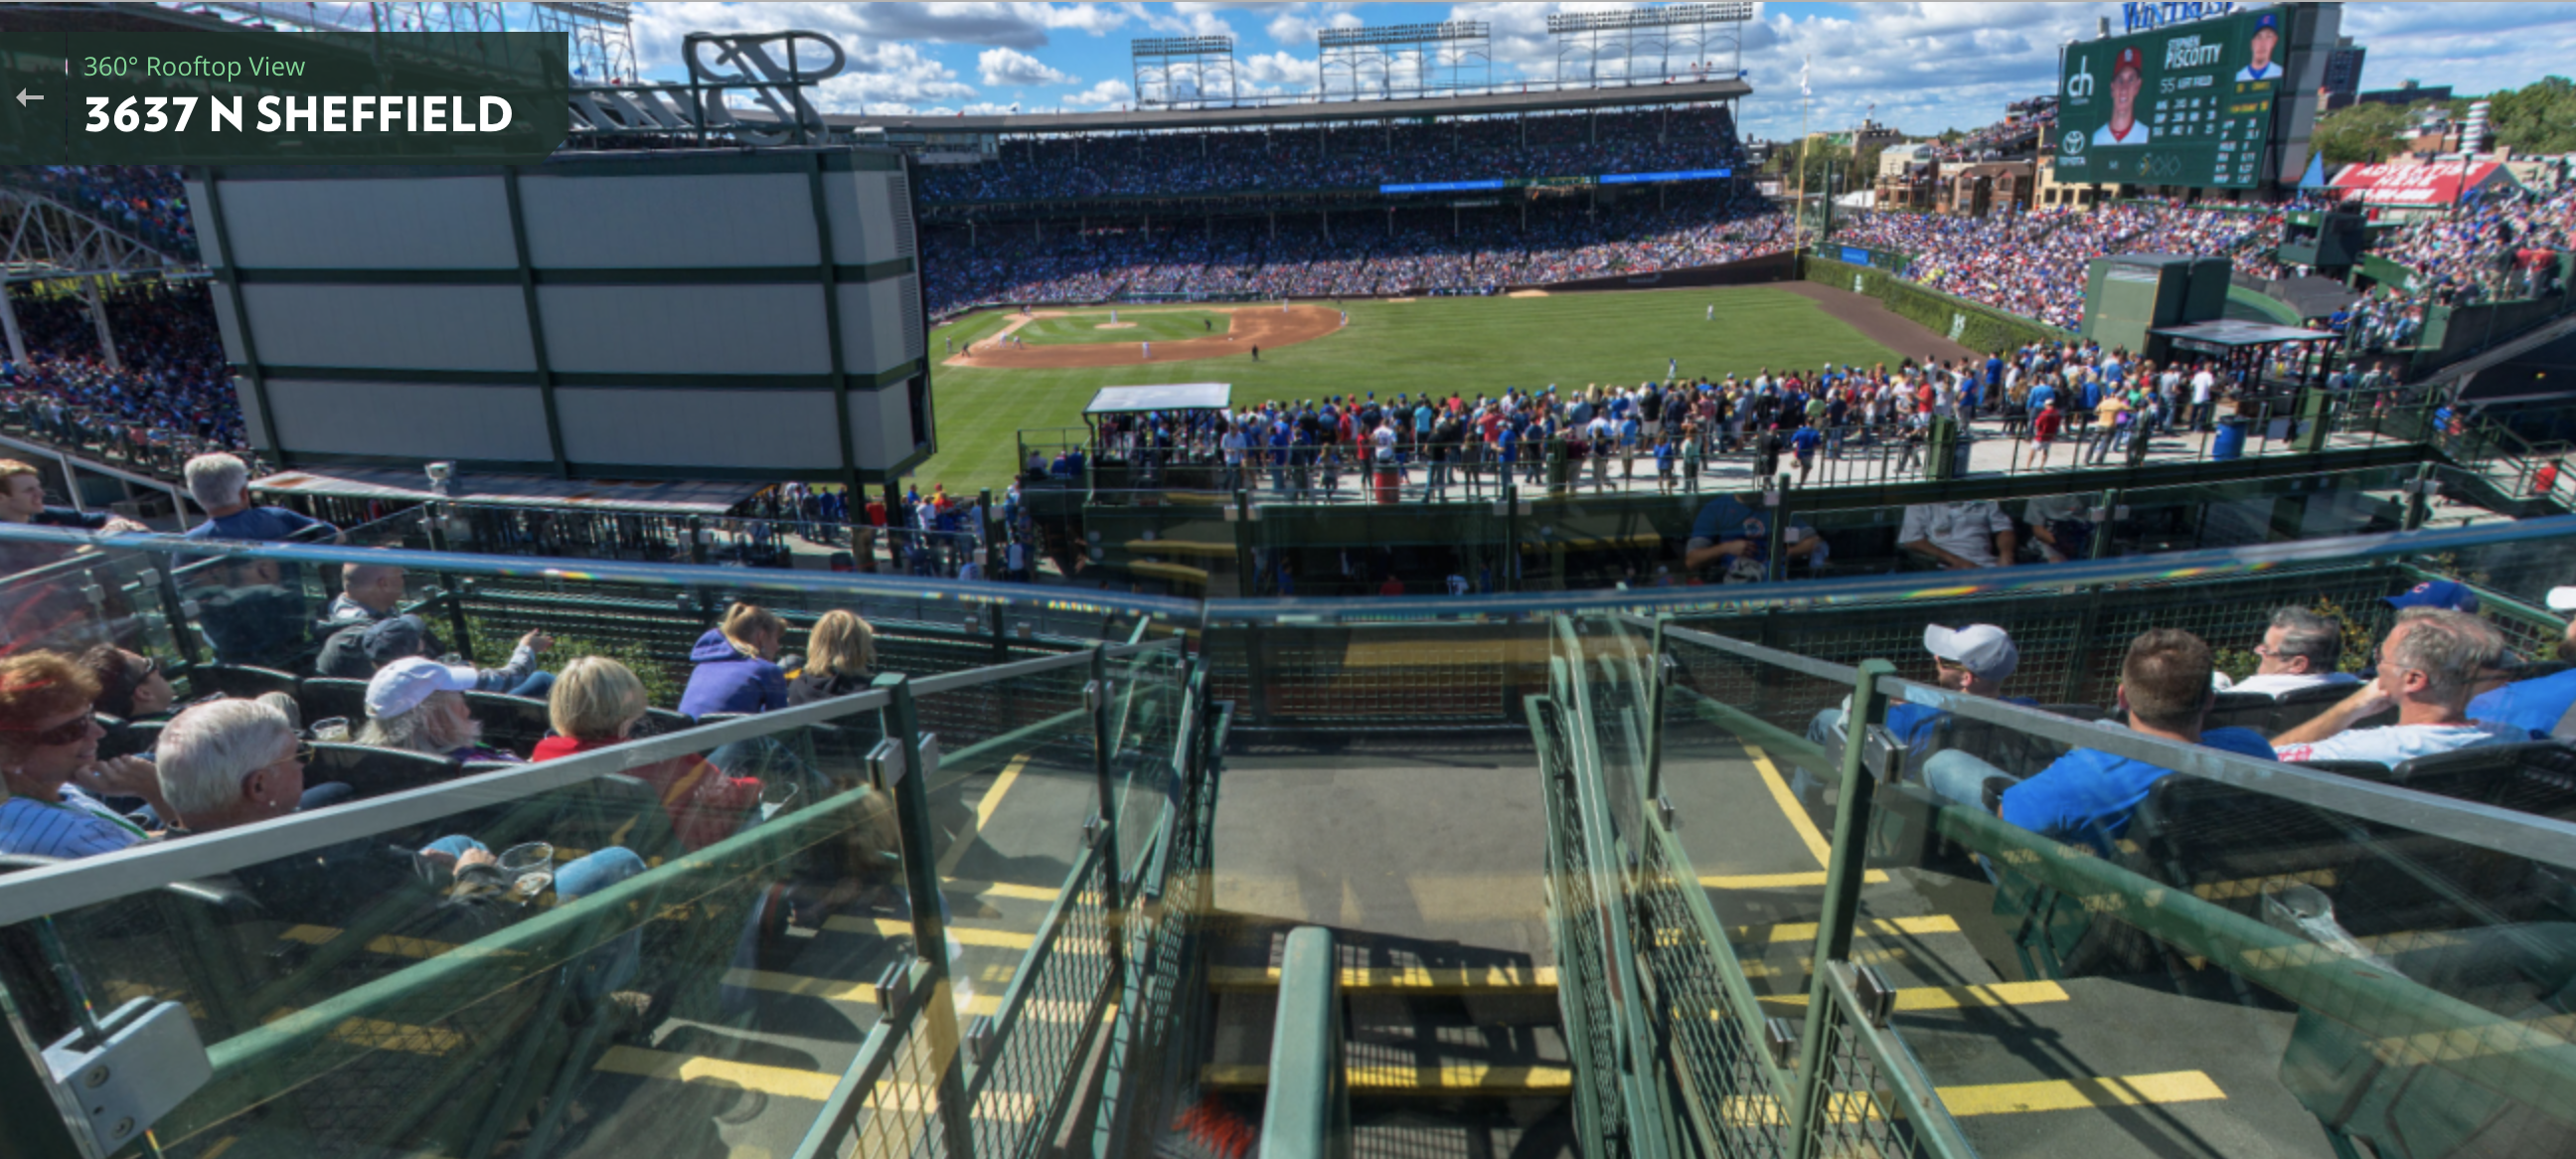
1392	586
597	702
2043	429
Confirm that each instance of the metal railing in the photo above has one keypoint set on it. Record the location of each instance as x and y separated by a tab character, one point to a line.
1308	1112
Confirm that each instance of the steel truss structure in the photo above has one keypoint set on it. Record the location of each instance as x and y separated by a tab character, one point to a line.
1404	60
1184	72
41	238
1651	39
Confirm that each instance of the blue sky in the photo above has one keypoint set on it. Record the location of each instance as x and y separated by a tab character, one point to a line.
1920	67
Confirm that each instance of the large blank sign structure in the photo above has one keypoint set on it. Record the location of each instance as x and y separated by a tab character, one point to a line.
705	315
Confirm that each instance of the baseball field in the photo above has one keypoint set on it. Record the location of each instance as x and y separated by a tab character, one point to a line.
1469	345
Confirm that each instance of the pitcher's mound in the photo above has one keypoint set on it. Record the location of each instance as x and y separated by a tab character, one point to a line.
1248	326
1115	326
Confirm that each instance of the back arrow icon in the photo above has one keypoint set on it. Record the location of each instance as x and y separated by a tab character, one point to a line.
23	98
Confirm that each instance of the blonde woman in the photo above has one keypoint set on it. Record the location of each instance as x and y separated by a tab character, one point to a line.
597	702
841	657
737	669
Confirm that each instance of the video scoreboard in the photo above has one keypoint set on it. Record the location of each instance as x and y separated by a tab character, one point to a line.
2189	104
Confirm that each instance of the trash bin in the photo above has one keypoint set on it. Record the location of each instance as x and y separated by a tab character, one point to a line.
2231	438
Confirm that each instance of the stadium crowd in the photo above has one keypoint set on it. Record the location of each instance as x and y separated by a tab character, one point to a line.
1343	157
173	387
146	202
2033	264
1355	257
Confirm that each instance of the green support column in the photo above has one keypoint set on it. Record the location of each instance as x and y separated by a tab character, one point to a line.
901	719
1841	902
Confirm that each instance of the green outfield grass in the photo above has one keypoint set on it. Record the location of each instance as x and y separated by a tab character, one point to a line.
1147	325
1469	345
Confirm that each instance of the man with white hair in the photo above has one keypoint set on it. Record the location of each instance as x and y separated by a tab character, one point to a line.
221	484
228	763
2428	665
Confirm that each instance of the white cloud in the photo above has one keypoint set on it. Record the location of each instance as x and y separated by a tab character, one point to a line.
1182	19
1012	68
1102	95
890	77
1295	26
1278	70
660	26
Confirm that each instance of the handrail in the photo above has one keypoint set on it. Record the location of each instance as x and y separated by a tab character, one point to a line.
1307	1113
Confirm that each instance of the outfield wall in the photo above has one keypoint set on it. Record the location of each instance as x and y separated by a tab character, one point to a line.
1779	267
1970	324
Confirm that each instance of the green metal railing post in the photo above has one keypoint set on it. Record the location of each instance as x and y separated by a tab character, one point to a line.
1841	902
901	718
1661	663
1308	1113
2419	497
1777	539
1102	737
2100	548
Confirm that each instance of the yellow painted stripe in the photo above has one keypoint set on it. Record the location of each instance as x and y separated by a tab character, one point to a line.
1878	927
1492	980
850	993
786	1082
377	1034
221	1145
397	947
1864	955
2182	1086
1789	806
1781	880
984	809
898	927
1447	1081
1010	889
1953	997
2253	886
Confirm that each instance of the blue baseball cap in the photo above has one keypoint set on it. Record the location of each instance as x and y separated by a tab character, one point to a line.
2437	594
2270	20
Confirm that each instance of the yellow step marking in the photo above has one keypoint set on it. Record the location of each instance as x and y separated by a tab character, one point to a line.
1008	889
1878	927
786	1082
221	1145
388	944
849	993
899	927
1799	822
1864	955
1451	1080
1419	980
1953	997
2253	886
378	1034
2182	1086
1781	880
984	809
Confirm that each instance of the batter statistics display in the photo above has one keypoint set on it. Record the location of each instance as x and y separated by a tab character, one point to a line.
2186	105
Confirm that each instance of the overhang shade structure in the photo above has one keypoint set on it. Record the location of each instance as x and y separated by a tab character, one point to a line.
1169	396
403	485
42	238
2439	183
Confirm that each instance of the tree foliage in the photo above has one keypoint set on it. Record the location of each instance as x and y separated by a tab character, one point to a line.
2537	118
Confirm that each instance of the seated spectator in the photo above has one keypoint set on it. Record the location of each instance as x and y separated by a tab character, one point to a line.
22	500
369	592
359	651
2545	704
2458	597
841	658
130	685
1974	660
735	665
1970	534
48	740
1733	531
221	485
597	702
2062	525
2300	650
229	763
2426	666
418	705
2089	795
256	618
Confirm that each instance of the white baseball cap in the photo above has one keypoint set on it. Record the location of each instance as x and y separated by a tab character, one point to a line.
1980	648
2562	599
399	687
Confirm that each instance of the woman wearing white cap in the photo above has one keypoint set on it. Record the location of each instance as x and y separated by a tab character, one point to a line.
418	705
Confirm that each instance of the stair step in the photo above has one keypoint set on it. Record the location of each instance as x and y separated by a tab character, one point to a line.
1404	979
1447	1081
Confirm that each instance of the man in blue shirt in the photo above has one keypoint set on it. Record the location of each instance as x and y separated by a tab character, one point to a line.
2542	704
221	484
2088	795
1729	529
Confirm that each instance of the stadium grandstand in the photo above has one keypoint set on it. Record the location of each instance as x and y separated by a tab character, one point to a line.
1439	626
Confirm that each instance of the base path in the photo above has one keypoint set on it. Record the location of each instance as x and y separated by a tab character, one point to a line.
1268	327
1907	337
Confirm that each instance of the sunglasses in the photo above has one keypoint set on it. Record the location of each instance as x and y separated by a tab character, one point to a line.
71	731
303	752
151	664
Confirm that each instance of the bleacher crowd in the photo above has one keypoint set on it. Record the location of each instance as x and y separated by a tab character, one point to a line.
145	202
172	387
1342	157
2033	264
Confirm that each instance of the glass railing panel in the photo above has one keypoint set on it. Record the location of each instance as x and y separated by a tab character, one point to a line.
547	955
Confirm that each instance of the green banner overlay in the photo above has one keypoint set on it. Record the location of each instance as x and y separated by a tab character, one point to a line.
252	96
2189	104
